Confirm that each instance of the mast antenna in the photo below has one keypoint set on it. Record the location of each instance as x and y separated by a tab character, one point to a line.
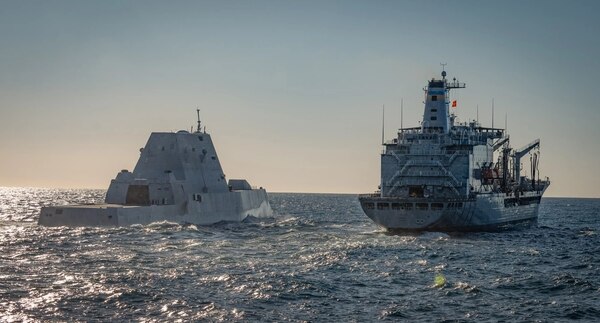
478	113
199	125
401	113
444	70
492	113
383	124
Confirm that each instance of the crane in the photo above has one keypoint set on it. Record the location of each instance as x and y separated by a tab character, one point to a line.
518	154
501	142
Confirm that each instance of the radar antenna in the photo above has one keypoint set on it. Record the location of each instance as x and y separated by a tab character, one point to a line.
199	125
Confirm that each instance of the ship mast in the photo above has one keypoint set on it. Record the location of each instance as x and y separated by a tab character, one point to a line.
199	124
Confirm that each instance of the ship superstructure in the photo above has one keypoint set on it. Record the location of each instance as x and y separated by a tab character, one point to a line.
451	176
178	178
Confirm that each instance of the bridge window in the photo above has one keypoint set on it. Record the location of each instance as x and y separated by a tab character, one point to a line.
434	98
370	206
395	206
436	84
422	206
433	110
433	118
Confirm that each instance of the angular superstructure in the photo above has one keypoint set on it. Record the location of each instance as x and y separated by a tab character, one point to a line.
450	176
178	178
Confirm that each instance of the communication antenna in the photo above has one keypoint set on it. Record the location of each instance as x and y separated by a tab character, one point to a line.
505	121
492	113
444	70
401	113
199	125
383	124
478	113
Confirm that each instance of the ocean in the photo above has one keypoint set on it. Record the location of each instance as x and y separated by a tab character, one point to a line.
319	258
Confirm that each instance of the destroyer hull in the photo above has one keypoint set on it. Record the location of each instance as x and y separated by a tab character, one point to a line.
485	212
204	210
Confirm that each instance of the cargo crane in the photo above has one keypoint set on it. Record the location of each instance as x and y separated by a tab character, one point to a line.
518	154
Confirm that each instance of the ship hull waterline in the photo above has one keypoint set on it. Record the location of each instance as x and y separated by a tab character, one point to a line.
485	212
214	208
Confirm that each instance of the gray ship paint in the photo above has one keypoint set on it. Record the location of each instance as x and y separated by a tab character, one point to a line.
442	175
178	178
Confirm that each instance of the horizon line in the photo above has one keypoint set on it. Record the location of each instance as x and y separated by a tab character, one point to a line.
269	192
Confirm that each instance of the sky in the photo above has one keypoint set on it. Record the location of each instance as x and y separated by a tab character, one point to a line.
291	91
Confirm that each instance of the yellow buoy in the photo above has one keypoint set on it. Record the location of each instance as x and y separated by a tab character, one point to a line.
439	280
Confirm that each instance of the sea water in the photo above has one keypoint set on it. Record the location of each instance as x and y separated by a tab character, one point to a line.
319	258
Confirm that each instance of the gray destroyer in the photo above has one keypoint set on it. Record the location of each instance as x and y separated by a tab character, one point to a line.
178	178
450	176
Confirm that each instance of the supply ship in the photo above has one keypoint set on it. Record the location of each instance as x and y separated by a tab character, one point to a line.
450	176
178	178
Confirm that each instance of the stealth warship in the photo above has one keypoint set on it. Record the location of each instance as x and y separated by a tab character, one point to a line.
178	178
451	176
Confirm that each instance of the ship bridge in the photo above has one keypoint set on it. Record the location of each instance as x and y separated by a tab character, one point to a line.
436	115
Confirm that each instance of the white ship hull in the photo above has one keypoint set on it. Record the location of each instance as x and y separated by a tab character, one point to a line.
212	208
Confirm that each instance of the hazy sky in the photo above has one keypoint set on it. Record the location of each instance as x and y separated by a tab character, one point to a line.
291	91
